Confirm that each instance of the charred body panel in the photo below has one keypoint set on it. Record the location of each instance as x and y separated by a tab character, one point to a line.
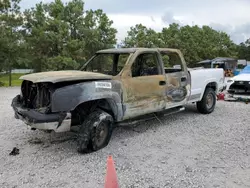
143	95
177	90
39	95
155	91
69	97
47	98
59	122
143	90
177	94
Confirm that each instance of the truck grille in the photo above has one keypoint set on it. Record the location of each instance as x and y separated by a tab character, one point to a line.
36	96
239	87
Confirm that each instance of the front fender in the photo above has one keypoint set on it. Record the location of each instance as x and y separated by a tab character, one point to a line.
69	97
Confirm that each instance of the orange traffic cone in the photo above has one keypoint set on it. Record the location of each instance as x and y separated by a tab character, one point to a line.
111	177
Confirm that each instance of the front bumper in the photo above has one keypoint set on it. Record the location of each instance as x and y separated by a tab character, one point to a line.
58	122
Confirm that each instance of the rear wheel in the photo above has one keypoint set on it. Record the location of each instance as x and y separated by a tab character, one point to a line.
95	132
208	102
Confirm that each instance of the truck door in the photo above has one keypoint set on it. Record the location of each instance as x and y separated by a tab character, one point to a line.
178	87
144	87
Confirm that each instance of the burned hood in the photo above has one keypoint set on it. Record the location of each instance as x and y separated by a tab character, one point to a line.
60	76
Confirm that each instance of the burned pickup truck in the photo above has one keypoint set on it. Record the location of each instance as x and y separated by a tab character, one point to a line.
115	87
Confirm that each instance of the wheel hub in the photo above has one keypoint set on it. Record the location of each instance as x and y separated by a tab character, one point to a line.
209	101
101	134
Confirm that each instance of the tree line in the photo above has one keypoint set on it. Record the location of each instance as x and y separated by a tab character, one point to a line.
57	35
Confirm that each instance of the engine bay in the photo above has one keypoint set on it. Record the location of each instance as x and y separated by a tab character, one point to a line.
36	95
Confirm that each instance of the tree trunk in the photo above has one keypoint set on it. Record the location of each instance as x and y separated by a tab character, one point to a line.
9	74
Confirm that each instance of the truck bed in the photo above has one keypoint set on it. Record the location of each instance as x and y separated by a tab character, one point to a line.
200	77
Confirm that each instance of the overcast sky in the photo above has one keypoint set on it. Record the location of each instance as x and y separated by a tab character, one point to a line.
231	16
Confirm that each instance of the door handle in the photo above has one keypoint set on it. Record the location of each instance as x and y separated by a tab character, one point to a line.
183	79
162	83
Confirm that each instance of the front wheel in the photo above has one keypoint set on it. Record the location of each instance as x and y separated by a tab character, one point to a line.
208	101
95	132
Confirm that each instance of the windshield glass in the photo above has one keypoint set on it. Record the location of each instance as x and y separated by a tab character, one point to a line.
110	64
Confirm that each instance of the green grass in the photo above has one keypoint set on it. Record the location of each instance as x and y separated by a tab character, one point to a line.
14	79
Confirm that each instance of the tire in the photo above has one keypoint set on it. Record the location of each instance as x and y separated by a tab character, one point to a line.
95	132
202	105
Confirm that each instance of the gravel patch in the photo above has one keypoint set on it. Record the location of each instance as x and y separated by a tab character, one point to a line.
184	150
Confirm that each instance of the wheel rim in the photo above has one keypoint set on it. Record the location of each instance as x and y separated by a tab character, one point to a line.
209	101
101	134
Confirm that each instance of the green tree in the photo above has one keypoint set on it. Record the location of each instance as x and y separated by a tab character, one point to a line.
196	43
10	38
47	36
171	36
141	36
98	31
63	36
244	50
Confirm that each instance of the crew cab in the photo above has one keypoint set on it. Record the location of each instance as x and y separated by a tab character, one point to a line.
115	87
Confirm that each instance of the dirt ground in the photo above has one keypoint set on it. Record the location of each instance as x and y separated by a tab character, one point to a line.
183	150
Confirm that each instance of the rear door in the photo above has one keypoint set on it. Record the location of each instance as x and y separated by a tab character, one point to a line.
178	85
144	88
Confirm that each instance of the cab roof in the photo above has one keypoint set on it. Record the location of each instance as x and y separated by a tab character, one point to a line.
133	50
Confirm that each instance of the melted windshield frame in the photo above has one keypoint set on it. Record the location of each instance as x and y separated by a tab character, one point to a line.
115	59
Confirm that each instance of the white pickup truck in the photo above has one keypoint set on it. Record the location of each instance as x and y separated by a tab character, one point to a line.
115	87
